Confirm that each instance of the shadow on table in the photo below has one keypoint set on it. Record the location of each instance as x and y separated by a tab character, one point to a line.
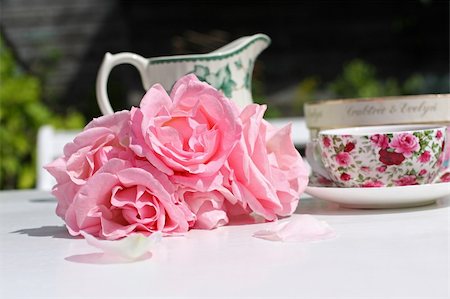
321	207
100	258
59	232
43	200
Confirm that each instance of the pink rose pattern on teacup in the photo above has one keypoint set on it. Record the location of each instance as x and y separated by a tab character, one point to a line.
379	160
317	180
188	160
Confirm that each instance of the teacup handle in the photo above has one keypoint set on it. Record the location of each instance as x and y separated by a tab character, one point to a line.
109	62
313	162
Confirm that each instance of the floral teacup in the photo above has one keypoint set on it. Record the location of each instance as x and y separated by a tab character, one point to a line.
379	156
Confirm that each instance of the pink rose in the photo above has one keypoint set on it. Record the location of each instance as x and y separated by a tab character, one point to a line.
349	147
345	177
380	140
390	158
103	139
405	143
423	172
365	168
326	141
265	173
406	180
372	184
425	157
207	198
121	199
381	169
445	177
438	135
209	208
192	131
343	159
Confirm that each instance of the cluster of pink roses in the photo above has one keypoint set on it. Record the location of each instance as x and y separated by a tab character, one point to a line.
188	160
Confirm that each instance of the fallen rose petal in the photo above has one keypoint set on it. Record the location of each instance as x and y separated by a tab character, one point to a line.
131	247
300	228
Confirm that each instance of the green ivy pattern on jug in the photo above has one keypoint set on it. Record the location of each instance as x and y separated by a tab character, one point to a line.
248	75
222	79
238	64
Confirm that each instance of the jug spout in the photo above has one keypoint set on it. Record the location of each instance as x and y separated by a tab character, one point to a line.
234	78
256	44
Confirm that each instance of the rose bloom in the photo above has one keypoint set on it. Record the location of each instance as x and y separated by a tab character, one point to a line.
192	131
381	168
390	158
423	172
372	184
103	139
208	199
326	141
264	172
349	147
365	168
406	180
124	198
445	177
438	135
425	157
405	143
343	158
209	208
345	177
380	140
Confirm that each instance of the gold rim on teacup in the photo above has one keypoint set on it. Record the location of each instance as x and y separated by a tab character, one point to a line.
394	110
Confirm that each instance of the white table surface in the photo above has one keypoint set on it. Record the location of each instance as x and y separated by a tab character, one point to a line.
402	253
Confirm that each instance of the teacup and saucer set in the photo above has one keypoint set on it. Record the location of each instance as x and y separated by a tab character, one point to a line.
385	166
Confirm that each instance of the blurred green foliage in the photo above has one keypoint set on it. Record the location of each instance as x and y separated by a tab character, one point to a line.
359	79
258	97
22	112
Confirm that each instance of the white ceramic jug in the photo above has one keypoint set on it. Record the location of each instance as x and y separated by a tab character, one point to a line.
228	69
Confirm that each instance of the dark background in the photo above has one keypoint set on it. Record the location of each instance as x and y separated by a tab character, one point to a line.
63	42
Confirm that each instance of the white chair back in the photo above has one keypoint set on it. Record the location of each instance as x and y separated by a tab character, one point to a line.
300	133
50	145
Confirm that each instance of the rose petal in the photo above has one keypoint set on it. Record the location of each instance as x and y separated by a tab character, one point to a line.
131	247
301	228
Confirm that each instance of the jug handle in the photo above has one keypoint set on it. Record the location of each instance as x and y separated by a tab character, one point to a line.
109	62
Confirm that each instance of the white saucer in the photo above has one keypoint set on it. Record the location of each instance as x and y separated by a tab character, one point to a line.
383	197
